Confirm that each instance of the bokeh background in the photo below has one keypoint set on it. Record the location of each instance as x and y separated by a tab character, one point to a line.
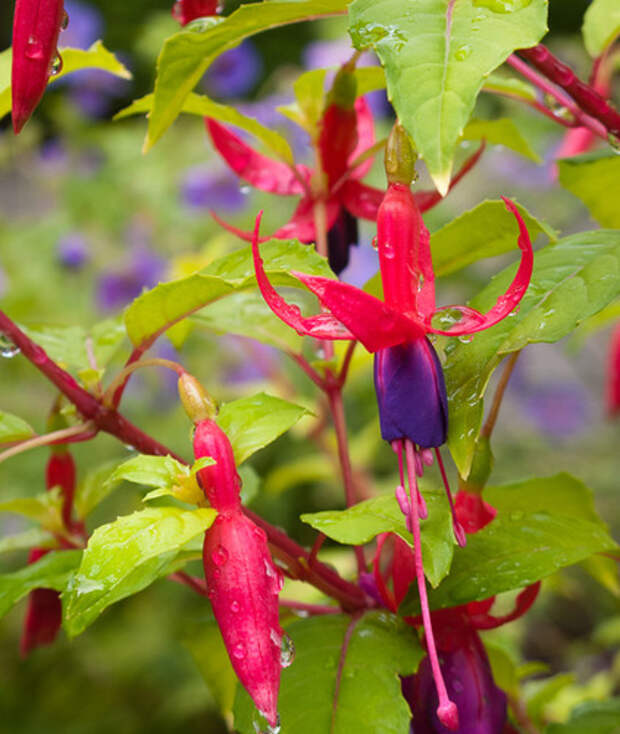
87	221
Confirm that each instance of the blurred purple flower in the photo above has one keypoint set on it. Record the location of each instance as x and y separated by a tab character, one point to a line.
558	409
363	264
203	188
72	250
251	360
117	288
234	72
53	157
85	26
264	110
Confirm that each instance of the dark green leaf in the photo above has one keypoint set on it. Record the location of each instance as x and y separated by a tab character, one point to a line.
126	556
52	571
486	230
13	428
186	56
363	675
436	57
252	423
572	280
594	179
542	525
593	717
363	522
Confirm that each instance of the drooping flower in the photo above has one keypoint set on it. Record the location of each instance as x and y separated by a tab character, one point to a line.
187	10
408	377
243	582
36	26
346	132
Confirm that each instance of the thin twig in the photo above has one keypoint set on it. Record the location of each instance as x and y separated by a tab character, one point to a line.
489	424
194	583
346	363
48	439
120	379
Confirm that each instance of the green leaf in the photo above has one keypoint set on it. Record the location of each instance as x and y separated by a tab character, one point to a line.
601	25
541	692
571	281
510	86
52	571
254	422
593	717
94	488
542	525
502	131
486	230
13	428
503	668
156	310
186	56
355	686
436	57
197	104
594	179
44	509
363	522
70	345
31	538
96	57
125	556
150	471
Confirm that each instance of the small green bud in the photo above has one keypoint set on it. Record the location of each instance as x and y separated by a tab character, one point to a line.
198	404
400	157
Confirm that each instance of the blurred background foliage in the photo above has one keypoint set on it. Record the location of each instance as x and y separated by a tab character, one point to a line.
86	221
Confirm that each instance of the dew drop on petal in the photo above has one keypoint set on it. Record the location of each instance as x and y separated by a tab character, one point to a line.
287	651
235	607
219	555
56	65
64	23
239	651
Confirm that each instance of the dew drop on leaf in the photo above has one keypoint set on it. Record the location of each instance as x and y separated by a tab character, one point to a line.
7	348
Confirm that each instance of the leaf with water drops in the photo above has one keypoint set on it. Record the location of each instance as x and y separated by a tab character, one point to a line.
436	56
542	525
363	522
352	668
254	422
127	555
52	571
572	280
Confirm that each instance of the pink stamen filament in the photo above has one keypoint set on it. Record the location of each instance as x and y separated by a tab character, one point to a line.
446	711
459	533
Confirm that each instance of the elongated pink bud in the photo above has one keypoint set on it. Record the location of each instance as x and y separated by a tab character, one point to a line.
43	616
187	10
220	481
243	586
36	25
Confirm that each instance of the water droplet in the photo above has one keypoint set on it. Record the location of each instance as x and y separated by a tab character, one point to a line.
200	25
287	651
239	651
466	338
268	729
7	348
463	52
64	23
234	607
260	533
516	515
375	243
34	49
219	555
502	6
614	141
56	65
387	250
245	189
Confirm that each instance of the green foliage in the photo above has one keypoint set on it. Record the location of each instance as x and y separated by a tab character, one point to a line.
363	522
13	428
127	555
436	57
31	538
601	25
151	471
502	131
593	178
572	280
43	509
596	717
542	525
186	56
352	667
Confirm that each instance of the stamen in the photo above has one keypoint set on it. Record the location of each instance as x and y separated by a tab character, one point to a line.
446	711
419	469
459	533
401	494
427	457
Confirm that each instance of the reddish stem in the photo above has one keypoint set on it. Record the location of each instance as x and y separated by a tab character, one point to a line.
309	608
587	98
194	583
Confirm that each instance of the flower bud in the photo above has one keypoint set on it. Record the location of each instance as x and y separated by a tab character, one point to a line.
43	616
338	128
198	404
400	157
220	481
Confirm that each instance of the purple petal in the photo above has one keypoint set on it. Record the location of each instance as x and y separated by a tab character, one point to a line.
203	189
72	250
411	394
85	25
234	72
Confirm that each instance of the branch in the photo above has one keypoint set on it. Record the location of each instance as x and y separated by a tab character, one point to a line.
489	424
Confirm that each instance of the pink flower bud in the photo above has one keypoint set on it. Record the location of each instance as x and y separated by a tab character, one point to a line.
36	25
220	481
243	586
44	614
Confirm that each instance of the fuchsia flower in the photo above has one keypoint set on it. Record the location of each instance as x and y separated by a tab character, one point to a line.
187	10
243	582
346	133
613	372
408	377
36	25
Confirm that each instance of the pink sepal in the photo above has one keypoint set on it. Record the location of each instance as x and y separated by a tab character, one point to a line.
481	620
220	481
365	137
471	511
257	169
360	200
243	586
44	613
322	326
370	321
473	320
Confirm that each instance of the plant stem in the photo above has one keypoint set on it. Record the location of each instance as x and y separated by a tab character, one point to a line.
544	85
309	608
47	439
588	99
489	424
194	583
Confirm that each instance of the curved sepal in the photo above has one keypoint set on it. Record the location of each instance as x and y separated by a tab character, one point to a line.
370	321
321	326
257	169
360	200
473	320
482	620
365	137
